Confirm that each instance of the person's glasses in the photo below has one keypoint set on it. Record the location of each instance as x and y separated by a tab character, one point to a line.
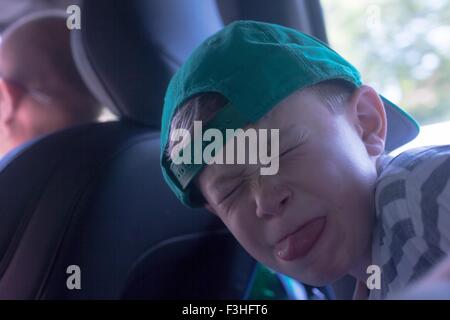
35	94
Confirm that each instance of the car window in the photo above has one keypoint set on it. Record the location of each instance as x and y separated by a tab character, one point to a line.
402	48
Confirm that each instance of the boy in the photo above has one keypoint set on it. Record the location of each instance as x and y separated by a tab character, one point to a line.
337	204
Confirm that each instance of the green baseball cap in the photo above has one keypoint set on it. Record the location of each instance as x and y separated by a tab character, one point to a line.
256	65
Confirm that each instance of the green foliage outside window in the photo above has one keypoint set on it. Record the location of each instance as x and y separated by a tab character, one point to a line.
402	48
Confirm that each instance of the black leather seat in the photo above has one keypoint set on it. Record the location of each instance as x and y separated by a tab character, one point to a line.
93	196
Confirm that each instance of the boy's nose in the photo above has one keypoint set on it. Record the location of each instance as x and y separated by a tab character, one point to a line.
271	199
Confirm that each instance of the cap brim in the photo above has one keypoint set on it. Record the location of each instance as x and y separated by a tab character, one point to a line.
401	127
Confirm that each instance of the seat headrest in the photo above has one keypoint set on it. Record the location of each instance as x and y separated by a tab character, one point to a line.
127	51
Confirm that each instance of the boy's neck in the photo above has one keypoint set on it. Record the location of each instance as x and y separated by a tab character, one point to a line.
382	161
361	291
359	271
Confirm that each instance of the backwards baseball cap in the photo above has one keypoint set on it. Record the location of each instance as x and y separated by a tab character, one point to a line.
256	65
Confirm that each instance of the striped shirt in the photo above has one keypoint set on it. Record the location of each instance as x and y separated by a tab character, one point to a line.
412	230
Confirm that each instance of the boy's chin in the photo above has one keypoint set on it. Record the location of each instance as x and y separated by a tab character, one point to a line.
315	277
320	280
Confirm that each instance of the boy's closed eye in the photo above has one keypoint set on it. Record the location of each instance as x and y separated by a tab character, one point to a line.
290	149
233	185
232	190
228	188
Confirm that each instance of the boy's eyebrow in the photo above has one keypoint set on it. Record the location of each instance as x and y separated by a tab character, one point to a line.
290	136
294	133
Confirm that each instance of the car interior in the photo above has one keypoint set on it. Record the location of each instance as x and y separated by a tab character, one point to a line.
93	195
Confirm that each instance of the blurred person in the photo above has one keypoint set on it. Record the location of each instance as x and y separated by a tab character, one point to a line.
41	90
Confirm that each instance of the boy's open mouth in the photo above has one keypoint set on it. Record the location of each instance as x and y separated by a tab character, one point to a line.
298	243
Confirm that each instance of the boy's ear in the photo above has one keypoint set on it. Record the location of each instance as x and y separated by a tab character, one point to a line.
10	96
369	117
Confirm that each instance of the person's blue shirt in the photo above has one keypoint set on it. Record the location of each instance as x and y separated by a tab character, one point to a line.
14	153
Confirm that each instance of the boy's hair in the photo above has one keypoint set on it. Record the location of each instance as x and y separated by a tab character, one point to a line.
203	107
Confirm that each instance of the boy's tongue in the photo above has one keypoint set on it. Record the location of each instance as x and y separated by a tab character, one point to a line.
299	243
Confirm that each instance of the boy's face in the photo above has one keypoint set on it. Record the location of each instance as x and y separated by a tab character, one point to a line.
313	219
